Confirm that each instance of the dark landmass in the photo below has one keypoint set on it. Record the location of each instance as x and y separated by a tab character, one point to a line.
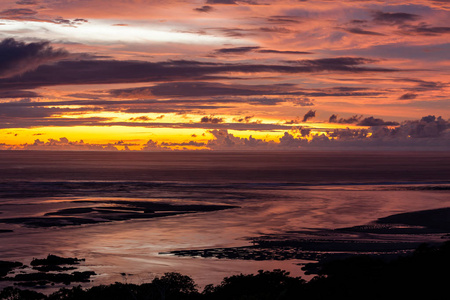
41	279
5	230
54	260
435	219
386	237
53	263
8	266
110	211
51	270
422	274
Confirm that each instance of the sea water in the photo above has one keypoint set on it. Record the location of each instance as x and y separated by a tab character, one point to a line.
274	193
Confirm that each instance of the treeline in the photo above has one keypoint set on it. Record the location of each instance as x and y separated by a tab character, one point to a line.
423	275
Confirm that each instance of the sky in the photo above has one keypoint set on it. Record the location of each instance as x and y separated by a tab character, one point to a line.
224	75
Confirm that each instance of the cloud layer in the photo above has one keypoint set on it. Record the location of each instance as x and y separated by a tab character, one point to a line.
224	74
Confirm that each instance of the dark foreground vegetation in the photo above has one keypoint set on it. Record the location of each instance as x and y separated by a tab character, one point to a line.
423	275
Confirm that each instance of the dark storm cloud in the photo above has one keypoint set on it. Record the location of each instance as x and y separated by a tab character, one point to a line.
424	29
210	89
244	50
231	32
422	85
18	94
231	2
202	89
283	52
245	119
220	2
211	119
17	57
69	22
236	50
283	20
309	115
27	2
275	29
204	8
371	121
17	13
408	96
44	122
265	101
112	71
227	126
135	106
351	120
29	111
340	64
362	31
393	18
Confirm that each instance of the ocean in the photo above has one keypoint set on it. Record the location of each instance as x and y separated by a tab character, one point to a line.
124	212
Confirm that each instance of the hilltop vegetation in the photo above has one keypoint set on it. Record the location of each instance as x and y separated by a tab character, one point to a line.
422	275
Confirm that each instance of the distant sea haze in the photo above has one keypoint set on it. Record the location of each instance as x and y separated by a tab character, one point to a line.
309	168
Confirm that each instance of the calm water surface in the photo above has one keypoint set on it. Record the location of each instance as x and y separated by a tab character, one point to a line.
275	192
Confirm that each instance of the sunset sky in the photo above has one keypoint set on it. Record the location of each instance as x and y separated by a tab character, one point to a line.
224	74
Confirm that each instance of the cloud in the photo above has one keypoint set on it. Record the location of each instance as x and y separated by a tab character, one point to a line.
74	22
408	96
351	120
362	31
244	50
141	119
393	18
211	119
425	29
29	119
17	58
273	93
426	127
153	146
17	13
283	19
111	71
289	141
201	89
371	121
245	119
27	2
428	133
301	101
235	50
226	141
309	115
190	143
221	2
204	8
283	52
18	94
63	144
275	29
